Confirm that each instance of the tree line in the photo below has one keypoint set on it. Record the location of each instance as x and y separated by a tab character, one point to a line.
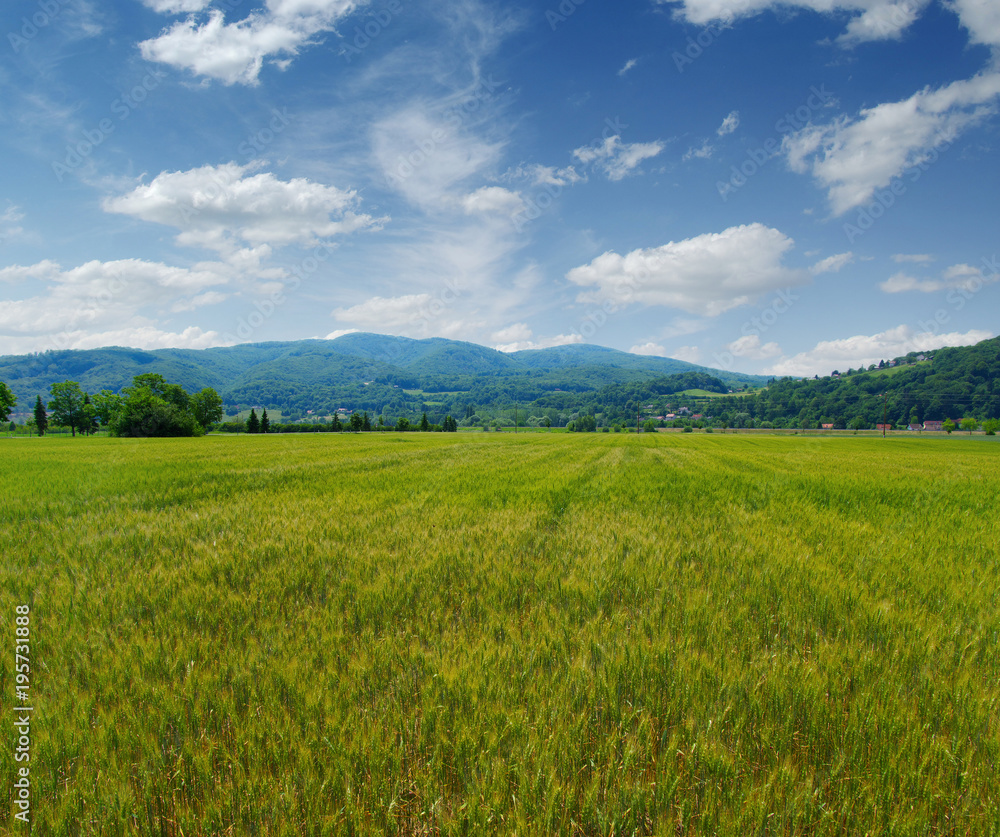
149	407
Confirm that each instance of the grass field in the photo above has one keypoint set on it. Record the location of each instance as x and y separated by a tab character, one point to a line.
496	634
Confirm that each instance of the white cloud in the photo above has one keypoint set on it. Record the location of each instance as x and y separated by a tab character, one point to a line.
10	224
702	153
750	347
915	258
981	18
851	352
518	332
220	206
544	343
98	301
705	275
959	277
689	354
136	337
615	158
854	158
832	264
171	7
412	315
234	52
901	283
552	176
649	350
493	200
729	124
333	335
872	20
426	152
628	66
199	301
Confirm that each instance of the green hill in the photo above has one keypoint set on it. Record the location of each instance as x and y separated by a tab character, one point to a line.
360	371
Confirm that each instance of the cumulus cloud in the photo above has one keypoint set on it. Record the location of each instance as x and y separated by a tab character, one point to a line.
648	350
226	206
689	354
915	258
705	275
234	53
517	332
543	343
852	158
864	350
981	18
82	306
751	348
615	158
340	332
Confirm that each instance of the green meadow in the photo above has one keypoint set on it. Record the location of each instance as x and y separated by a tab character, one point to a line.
593	634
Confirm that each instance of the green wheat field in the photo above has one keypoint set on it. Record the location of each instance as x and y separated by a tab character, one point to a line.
474	634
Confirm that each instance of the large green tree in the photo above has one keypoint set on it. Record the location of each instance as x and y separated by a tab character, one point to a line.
107	405
253	423
206	406
67	405
151	407
8	401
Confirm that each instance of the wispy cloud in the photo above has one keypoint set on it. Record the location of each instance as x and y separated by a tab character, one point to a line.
630	64
729	124
618	159
851	158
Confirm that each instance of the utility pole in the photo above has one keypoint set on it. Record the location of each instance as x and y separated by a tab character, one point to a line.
885	396
515	417
637	417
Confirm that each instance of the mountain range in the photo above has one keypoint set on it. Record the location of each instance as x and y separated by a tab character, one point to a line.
364	371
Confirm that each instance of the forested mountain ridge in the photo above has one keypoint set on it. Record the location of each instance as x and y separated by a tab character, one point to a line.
948	383
364	371
394	376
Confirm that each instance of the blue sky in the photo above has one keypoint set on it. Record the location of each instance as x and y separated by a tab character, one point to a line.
773	188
